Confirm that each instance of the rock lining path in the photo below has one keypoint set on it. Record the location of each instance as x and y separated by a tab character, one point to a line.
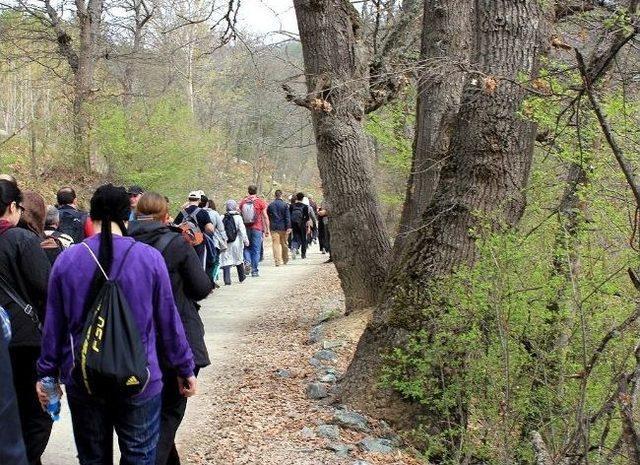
225	314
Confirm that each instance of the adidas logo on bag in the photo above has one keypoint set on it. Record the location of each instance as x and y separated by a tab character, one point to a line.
133	381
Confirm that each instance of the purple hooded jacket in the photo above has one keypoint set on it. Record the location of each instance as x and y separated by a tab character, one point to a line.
144	281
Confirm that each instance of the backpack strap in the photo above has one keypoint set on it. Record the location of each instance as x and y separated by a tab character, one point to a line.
124	259
165	241
95	259
26	308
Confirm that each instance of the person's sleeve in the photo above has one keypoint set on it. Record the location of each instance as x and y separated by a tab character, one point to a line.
178	218
287	216
220	227
88	227
197	284
243	230
55	328
35	268
173	341
205	218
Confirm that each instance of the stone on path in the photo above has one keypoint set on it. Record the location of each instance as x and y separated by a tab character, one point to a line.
315	335
331	344
341	450
282	373
328	378
328	431
316	391
307	433
376	445
351	420
325	355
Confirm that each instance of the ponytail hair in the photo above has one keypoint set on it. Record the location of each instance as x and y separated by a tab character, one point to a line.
108	204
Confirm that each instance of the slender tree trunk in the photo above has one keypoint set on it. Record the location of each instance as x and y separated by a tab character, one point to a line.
337	81
482	179
445	54
84	66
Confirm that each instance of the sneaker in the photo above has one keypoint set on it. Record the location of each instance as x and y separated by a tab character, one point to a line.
255	274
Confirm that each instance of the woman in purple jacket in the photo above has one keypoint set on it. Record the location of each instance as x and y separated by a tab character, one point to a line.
142	276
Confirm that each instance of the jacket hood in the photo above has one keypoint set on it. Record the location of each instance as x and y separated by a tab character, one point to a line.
147	231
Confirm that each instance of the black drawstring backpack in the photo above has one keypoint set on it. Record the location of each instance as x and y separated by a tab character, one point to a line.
112	358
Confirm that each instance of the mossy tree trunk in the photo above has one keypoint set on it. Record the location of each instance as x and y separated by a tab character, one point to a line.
482	180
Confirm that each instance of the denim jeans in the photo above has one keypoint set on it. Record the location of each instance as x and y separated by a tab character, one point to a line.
252	253
136	422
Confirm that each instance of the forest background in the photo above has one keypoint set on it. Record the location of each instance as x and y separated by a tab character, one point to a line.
175	104
479	157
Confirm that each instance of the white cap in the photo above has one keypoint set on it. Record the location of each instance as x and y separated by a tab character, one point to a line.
196	195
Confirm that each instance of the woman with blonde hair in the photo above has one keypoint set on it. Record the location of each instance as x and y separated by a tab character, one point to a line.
190	284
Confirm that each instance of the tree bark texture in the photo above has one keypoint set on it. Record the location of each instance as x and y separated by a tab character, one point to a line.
82	62
483	176
90	20
337	80
444	59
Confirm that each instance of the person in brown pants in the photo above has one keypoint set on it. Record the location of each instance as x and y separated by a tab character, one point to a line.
280	222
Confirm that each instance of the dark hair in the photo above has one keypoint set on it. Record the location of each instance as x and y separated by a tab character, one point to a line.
300	196
66	196
108	204
278	193
253	190
9	192
211	204
32	218
203	201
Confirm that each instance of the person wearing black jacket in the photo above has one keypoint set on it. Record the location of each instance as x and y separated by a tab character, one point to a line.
24	274
299	224
190	284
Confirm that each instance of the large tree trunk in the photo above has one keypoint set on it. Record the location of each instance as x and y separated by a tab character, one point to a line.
482	179
337	80
445	53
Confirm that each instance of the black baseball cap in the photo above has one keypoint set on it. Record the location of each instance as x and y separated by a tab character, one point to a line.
135	190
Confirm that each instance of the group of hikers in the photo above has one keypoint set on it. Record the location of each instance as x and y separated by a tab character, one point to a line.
105	302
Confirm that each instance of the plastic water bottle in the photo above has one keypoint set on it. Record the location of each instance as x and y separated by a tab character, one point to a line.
51	387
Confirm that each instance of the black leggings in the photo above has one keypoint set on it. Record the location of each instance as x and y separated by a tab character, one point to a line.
36	424
226	273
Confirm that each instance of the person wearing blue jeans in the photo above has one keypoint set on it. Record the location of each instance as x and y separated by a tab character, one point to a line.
254	216
136	422
252	253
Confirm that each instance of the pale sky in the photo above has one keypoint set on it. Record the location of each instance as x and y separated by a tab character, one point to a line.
263	16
